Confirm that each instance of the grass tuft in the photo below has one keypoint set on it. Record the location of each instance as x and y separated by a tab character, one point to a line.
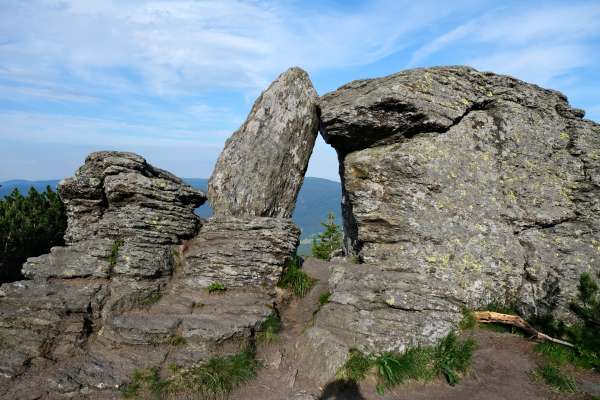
218	377
468	320
114	252
213	380
450	359
356	367
269	329
176	340
324	299
453	357
553	376
216	287
295	279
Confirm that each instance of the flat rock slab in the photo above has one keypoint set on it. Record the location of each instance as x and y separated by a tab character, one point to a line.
261	169
239	252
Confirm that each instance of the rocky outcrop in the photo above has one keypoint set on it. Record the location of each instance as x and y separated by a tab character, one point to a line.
459	188
124	216
262	166
239	252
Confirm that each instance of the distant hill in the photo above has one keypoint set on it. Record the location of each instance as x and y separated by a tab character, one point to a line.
316	198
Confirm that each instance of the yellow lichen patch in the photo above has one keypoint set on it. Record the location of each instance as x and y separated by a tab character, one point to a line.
564	136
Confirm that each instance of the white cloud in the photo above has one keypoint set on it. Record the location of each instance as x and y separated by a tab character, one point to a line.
74	130
536	43
186	46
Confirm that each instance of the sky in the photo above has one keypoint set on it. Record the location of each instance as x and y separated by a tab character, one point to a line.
172	79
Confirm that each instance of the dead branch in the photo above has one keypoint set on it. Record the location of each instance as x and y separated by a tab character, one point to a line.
488	317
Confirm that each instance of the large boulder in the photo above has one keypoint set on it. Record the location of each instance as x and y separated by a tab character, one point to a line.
262	166
459	188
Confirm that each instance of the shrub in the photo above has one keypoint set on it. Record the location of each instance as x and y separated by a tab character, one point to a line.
294	278
553	376
147	380
328	241
216	287
29	226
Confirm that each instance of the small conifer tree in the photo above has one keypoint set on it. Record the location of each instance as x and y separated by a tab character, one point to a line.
329	240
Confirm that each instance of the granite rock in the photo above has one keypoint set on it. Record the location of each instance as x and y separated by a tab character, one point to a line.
261	169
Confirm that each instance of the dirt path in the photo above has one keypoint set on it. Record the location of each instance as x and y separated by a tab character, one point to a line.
501	368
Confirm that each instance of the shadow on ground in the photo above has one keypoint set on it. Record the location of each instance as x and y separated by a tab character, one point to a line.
341	390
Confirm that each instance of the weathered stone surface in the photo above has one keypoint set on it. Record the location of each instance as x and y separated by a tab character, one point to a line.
125	216
262	166
120	195
239	251
460	187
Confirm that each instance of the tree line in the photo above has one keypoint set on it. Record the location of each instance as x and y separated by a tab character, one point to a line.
29	226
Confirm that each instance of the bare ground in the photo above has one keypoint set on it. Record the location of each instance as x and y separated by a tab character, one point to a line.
501	368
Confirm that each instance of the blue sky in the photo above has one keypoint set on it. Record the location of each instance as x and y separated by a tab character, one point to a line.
172	79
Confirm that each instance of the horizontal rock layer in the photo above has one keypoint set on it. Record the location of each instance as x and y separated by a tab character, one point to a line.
239	252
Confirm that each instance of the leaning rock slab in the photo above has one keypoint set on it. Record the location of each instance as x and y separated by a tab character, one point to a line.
262	166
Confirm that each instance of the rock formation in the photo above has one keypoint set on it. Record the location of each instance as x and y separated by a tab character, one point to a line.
262	166
124	217
459	188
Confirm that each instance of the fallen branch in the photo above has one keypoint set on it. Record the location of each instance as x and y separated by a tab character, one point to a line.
489	317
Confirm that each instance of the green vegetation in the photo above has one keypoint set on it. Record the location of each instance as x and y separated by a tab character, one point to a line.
324	299
152	298
584	335
114	252
294	278
328	241
147	380
468	320
553	376
357	366
176	340
211	380
29	226
450	358
269	329
453	357
216	287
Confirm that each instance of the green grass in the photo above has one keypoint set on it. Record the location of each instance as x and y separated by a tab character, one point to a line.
555	353
216	287
324	299
553	376
152	298
450	358
453	357
218	377
357	366
295	279
214	379
176	340
468	320
148	381
269	329
114	252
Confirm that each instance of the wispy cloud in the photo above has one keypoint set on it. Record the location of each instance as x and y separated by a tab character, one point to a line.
169	47
536	43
